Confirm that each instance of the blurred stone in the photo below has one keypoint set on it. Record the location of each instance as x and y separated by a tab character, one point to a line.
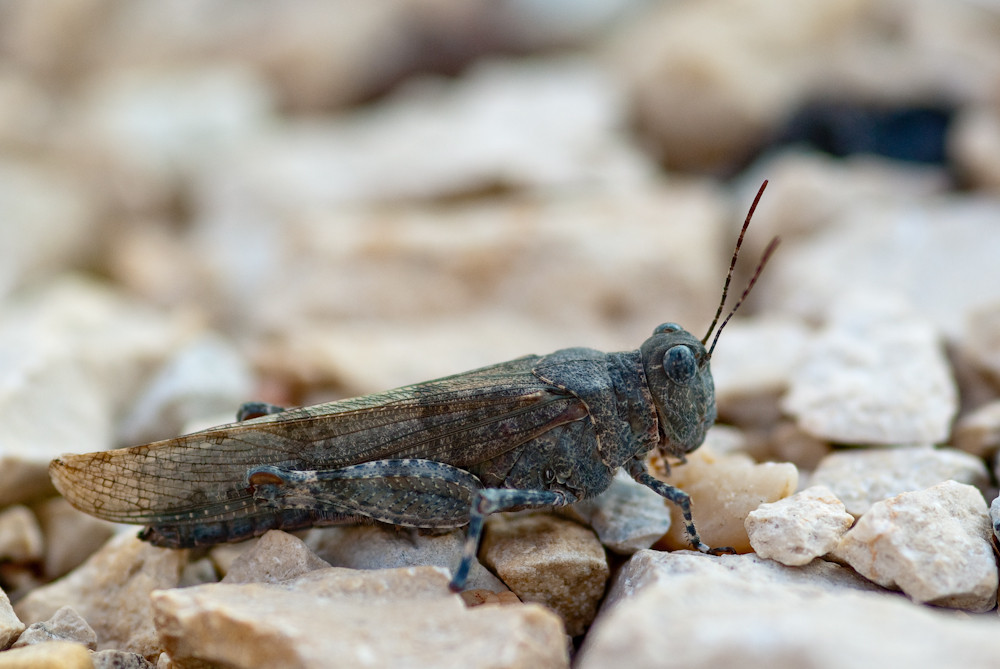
50	655
548	560
49	222
74	352
809	192
277	556
755	359
627	516
70	536
111	591
10	625
761	614
119	659
197	572
64	625
383	547
331	275
876	374
974	147
345	618
927	251
20	536
982	338
797	529
978	433
723	490
205	377
932	544
786	442
224	556
710	94
860	478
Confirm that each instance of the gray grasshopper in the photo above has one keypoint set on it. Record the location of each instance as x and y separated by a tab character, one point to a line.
538	431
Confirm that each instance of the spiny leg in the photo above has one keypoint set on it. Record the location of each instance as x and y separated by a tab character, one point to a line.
493	500
250	410
637	470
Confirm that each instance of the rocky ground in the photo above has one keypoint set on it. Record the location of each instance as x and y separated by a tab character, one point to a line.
296	202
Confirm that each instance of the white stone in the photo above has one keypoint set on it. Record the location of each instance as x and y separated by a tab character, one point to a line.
928	251
717	618
627	516
73	352
347	618
204	378
757	356
381	547
64	625
50	221
331	278
797	529
933	544
860	478
876	374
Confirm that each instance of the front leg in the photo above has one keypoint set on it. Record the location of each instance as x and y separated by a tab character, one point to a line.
637	470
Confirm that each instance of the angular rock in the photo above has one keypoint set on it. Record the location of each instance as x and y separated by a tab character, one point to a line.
978	432
10	625
650	567
119	659
314	621
50	655
860	478
71	536
223	556
627	516
933	544
797	529
64	625
20	536
723	490
277	556
549	560
717	618
381	547
877	374
995	517
111	591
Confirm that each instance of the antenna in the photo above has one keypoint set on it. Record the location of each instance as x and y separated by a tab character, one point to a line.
760	267
729	276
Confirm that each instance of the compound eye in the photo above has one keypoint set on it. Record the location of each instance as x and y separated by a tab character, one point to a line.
667	327
679	364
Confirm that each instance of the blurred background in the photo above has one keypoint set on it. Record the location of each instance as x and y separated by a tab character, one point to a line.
207	202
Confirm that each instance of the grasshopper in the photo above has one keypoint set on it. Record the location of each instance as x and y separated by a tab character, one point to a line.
538	431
